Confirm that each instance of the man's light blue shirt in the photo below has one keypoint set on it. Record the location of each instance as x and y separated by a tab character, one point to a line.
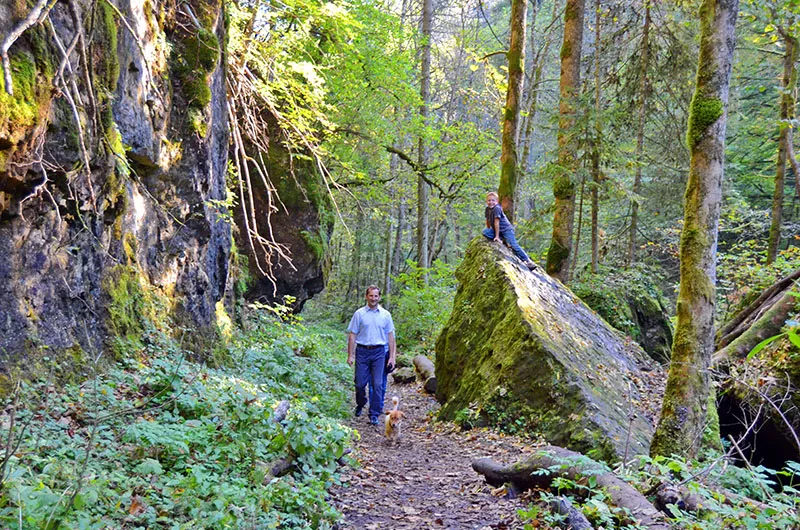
371	326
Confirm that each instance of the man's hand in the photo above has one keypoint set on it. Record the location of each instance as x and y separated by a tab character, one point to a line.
351	358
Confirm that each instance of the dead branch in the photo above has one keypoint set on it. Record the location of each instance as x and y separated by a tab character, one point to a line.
539	469
35	16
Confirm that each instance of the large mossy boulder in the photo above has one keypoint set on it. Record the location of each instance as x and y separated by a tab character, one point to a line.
631	302
520	344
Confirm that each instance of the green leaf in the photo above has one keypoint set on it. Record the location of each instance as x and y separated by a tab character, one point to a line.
794	337
761	345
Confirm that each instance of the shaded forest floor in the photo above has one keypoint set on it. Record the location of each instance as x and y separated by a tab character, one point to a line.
426	481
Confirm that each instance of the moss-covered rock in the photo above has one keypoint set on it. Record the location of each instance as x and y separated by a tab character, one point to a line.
631	302
522	346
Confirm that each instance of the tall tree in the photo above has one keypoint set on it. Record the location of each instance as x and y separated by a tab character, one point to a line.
788	85
560	251
683	413
425	95
597	138
516	58
644	87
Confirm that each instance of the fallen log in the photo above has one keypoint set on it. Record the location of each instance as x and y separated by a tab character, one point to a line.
745	318
539	469
767	325
425	368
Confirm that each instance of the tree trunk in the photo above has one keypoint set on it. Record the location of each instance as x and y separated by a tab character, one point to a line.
597	137
680	428
425	96
397	255
577	246
560	252
787	115
539	469
508	157
644	87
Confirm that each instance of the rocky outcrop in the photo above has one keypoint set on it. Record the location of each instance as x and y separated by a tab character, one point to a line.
522	347
632	303
112	167
298	216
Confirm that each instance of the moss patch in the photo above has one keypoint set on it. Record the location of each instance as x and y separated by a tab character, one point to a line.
702	114
134	305
20	112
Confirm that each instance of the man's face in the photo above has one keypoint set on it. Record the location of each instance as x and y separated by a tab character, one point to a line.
373	297
491	201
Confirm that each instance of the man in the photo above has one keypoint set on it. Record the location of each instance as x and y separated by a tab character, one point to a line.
370	331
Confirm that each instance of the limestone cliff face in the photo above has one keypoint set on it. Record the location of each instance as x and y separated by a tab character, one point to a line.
110	166
523	349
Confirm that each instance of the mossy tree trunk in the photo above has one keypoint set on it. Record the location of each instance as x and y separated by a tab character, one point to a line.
560	251
787	115
516	58
685	404
644	92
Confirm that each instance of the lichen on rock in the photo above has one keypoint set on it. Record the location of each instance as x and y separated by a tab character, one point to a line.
518	339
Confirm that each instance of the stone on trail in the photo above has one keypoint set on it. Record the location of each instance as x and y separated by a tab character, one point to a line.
522	348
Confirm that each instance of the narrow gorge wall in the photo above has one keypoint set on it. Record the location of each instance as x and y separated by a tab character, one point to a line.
111	163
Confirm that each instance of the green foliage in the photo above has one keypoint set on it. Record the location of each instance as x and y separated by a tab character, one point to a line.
710	484
177	444
420	310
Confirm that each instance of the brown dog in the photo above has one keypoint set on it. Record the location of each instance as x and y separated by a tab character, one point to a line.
393	419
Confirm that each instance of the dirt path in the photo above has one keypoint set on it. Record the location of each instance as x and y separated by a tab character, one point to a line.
426	482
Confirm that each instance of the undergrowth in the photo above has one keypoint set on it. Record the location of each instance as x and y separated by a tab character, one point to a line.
157	441
714	496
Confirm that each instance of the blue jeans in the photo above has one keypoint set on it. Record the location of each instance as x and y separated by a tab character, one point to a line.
370	371
508	236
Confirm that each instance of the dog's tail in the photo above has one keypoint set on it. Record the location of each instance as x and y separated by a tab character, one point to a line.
395	402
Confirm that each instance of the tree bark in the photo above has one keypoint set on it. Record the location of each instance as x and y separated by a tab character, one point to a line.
644	92
539	469
683	414
560	252
597	138
508	157
787	115
768	325
745	317
425	96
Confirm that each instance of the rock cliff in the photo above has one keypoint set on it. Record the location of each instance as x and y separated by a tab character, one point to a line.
112	168
522	347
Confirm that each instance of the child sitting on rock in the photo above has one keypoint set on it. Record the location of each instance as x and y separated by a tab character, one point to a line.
498	227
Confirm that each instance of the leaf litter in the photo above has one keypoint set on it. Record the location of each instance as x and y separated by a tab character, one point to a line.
426	481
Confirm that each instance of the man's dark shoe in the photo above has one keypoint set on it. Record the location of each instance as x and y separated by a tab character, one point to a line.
358	411
373	421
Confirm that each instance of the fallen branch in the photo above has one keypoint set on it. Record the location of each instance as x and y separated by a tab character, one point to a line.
539	469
